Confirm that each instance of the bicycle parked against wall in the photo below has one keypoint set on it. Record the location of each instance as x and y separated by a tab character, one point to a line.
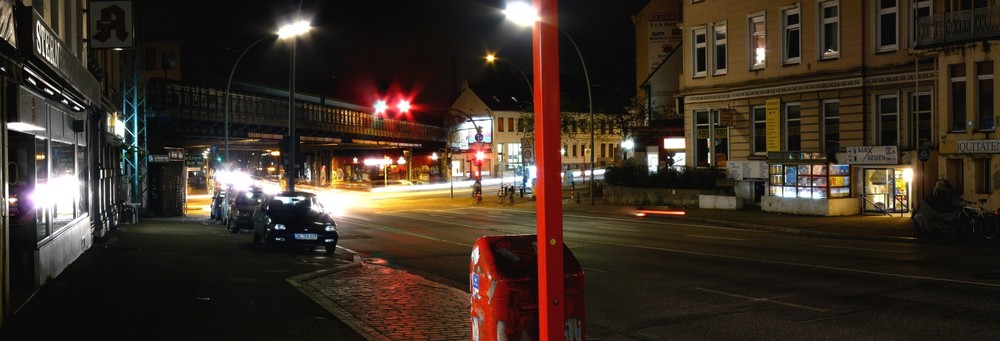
976	220
956	218
505	196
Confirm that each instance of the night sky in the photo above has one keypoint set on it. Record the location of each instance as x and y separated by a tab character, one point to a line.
361	50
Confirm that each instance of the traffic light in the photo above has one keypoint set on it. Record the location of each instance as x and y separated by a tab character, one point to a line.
480	156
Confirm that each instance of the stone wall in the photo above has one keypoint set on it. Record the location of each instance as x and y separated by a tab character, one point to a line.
638	196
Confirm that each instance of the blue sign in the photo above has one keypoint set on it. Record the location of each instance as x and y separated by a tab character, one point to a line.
214	149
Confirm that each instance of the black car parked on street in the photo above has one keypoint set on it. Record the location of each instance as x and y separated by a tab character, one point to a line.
294	219
242	204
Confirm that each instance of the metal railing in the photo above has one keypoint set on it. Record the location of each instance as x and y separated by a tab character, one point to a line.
958	27
206	104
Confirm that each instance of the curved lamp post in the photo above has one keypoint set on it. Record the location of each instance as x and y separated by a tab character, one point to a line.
528	18
492	58
229	84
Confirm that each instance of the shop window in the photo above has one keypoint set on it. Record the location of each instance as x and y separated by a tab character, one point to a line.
983	183
984	76
702	132
807	175
63	176
793	35
958	114
41	194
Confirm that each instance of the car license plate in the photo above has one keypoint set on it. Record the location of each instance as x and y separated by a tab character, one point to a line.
306	236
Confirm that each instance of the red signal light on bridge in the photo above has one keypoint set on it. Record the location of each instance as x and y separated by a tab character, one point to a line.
403	106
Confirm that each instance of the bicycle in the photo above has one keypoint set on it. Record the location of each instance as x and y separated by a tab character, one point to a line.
505	196
477	197
972	218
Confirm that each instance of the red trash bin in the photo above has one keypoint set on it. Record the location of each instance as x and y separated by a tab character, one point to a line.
503	280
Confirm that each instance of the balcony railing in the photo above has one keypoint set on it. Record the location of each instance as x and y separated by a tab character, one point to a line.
958	27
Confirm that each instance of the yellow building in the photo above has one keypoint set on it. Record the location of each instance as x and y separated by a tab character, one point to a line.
961	36
815	107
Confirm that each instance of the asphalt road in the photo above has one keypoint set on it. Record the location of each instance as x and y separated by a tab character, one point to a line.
657	279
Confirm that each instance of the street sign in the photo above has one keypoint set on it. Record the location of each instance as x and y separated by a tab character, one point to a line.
479	137
194	160
924	154
159	158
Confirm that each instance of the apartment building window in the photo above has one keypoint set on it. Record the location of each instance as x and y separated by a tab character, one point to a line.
510	124
831	125
759	114
958	115
984	77
829	37
603	150
793	35
720	41
793	127
983	183
921	8
887	131
520	125
499	124
574	150
700	61
920	105
758	43
887	24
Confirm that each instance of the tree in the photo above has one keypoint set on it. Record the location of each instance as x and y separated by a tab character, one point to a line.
626	114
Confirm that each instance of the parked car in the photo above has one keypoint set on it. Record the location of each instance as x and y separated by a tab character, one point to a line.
241	207
294	218
217	202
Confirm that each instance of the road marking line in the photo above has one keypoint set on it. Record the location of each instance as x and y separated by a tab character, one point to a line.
395	230
803	265
711	237
762	299
587	268
613	228
861	249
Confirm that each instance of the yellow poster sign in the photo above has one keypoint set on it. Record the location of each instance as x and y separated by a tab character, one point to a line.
773	110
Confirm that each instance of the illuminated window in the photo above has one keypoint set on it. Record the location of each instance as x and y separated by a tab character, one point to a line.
793	36
829	37
758	43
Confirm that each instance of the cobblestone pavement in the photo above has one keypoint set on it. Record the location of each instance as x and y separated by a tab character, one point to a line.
383	303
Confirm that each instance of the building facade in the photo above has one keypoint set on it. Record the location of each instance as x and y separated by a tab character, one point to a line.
815	107
960	36
507	140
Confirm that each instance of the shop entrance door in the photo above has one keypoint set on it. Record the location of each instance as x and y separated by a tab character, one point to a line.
23	227
885	190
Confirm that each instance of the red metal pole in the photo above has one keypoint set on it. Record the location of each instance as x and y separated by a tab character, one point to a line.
545	46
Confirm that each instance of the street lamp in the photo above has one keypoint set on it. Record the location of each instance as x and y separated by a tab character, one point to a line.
229	83
491	58
525	15
292	31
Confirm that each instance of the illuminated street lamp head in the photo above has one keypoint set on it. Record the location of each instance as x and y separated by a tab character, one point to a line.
491	58
521	13
294	29
628	144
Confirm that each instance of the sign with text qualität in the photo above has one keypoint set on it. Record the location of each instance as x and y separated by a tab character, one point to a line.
773	122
